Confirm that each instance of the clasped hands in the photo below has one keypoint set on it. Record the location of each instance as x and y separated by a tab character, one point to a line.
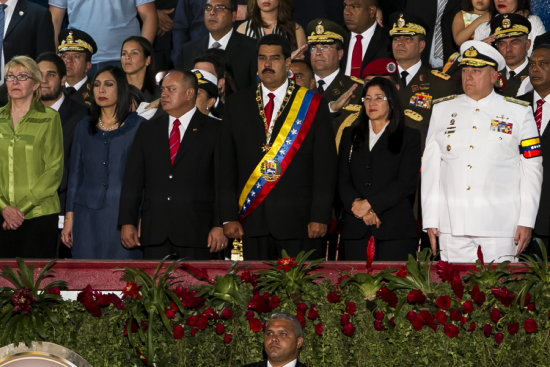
362	209
13	218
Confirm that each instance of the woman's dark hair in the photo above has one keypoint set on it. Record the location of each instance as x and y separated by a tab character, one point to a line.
124	97
149	85
524	8
396	117
286	25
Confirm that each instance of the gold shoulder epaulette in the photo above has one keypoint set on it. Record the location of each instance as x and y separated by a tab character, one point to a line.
518	101
413	115
443	99
441	74
357	80
352	107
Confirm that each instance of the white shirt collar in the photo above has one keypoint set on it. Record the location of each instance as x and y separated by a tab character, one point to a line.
328	79
374	137
279	93
57	105
185	119
79	84
517	70
367	34
412	70
289	364
222	41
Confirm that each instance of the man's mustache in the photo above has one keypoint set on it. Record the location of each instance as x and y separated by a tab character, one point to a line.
268	70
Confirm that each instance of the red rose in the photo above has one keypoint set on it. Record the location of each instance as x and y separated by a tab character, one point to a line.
249	314
441	317
144	325
402	273
173	306
194	331
378	325
134	327
248	277
416	320
477	295
220	328
513	328
456	315
178	331
531	306
388	296
344	319
319	329
495	315
348	329
526	301
54	290
468	307
333	297
350	308
255	324
301	308
210	313
379	315
202	322
227	338
428	319
191	320
530	326
503	295
472	327
450	330
274	302
259	303
302	320
499	337
227	314
443	302
392	322
487	330
169	314
341	278
416	296
313	314
458	287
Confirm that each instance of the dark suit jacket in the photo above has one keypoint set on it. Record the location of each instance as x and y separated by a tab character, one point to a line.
70	113
303	194
30	31
83	95
379	47
427	11
178	201
264	364
241	53
387	180
512	85
542	224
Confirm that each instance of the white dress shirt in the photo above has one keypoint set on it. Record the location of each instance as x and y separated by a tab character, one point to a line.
57	104
374	137
222	41
367	35
328	79
79	84
412	71
289	364
185	119
517	70
277	101
545	110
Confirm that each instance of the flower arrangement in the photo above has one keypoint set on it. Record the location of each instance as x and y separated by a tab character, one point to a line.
492	316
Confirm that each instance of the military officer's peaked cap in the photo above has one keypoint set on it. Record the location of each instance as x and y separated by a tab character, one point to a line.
76	40
406	25
479	54
322	30
510	25
207	81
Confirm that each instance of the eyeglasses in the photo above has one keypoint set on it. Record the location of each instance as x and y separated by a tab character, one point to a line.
321	48
376	99
20	77
220	7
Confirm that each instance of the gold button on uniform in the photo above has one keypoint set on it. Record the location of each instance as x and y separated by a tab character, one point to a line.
474	127
468	188
471	147
448	148
469	166
477	109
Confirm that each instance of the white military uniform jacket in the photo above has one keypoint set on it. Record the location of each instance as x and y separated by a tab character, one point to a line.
475	182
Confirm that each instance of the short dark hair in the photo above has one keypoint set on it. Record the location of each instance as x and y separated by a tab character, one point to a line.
275	40
188	78
124	98
54	59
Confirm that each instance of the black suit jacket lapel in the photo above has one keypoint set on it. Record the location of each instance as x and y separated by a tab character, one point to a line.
17	16
374	43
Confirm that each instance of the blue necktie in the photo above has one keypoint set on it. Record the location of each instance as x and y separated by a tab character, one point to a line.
2	21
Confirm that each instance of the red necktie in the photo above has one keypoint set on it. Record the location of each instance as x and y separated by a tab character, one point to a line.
538	113
174	140
268	109
357	57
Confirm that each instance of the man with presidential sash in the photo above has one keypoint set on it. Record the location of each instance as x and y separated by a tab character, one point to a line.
278	160
482	167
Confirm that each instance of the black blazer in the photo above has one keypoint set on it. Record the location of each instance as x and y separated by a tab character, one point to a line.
303	194
385	179
427	11
178	201
30	31
70	113
264	364
379	47
241	54
542	223
512	85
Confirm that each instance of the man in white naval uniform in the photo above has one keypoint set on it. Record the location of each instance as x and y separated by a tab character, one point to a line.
482	167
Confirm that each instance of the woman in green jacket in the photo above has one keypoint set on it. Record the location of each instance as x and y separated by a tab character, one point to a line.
31	165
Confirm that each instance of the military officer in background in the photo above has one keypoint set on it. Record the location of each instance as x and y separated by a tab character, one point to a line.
326	45
76	49
478	189
511	33
419	86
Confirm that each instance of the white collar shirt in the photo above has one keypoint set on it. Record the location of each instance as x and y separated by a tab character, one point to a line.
222	41
328	79
545	110
412	71
57	105
289	364
367	35
374	137
517	70
277	101
79	84
185	119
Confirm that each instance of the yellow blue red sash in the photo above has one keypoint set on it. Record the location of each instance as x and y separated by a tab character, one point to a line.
274	163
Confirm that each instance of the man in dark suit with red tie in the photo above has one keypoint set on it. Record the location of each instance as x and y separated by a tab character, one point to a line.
278	161
171	179
367	41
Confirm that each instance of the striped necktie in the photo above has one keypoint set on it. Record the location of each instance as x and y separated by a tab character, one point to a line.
538	113
174	141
